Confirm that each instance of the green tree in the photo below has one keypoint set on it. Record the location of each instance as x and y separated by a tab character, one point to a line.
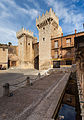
9	43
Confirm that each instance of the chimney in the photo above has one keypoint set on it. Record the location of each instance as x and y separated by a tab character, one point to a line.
62	34
75	32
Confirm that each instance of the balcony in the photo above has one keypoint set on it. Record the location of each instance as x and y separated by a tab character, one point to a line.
67	46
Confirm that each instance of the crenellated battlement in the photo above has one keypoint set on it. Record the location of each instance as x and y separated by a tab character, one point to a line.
24	32
46	16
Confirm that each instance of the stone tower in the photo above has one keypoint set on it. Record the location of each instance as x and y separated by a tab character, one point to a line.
25	48
48	26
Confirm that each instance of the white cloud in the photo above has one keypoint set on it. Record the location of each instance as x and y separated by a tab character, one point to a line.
19	10
75	0
8	35
2	6
35	3
13	16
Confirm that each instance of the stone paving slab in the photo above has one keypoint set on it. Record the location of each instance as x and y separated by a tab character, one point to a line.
11	82
14	78
27	99
38	117
48	105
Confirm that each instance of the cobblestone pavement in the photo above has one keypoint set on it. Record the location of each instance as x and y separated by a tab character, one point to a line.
10	78
22	71
24	101
13	76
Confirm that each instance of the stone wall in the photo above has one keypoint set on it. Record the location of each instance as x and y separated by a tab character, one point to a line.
12	56
4	57
79	53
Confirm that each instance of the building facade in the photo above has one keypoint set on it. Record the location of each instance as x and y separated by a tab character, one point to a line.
53	49
26	48
12	56
3	57
79	58
8	56
48	26
63	51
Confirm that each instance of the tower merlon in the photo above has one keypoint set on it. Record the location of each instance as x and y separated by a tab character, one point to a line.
24	32
47	15
60	29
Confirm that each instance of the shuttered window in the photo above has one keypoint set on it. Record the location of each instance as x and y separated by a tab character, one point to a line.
56	54
56	44
68	41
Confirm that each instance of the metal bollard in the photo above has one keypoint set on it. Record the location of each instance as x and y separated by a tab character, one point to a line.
28	81
39	75
31	83
6	89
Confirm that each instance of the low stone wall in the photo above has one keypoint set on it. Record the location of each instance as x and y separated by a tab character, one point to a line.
63	69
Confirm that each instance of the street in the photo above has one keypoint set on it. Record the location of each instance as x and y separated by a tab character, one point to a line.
9	77
13	76
29	98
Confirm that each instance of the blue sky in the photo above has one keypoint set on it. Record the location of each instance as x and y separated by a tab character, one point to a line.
15	14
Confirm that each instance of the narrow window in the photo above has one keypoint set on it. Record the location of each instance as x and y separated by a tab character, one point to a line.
28	43
54	28
56	54
43	39
43	28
